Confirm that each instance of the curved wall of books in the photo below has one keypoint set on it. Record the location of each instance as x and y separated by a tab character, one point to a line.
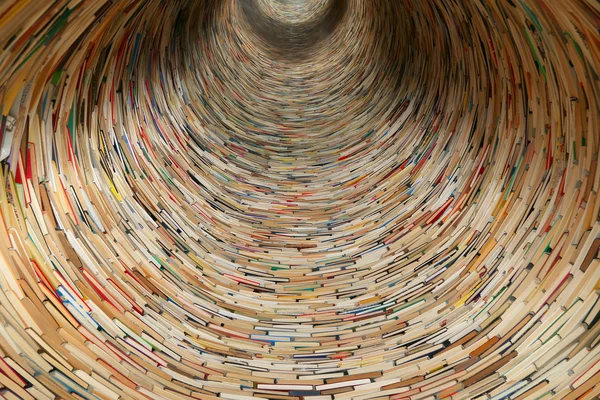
324	199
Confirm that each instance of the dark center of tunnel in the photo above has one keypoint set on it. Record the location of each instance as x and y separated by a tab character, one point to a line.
293	27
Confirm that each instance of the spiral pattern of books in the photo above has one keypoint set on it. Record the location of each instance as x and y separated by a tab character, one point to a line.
299	199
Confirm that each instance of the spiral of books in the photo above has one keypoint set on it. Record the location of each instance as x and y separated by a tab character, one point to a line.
299	199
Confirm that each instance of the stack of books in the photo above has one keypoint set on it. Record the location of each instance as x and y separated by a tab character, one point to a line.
405	208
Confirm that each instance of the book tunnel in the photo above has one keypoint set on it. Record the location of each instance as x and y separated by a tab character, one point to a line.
299	199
